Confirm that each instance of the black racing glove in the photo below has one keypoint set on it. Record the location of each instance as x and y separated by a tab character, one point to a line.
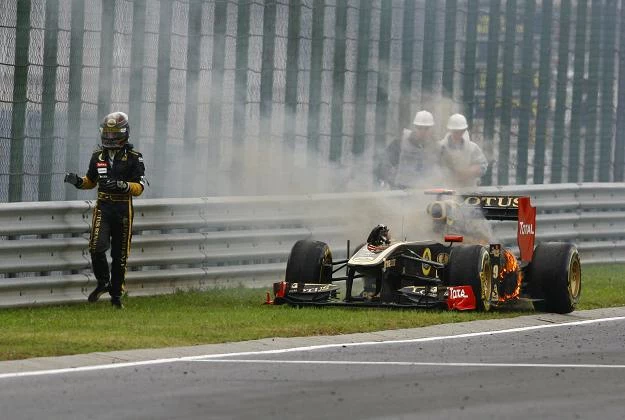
123	186
74	179
113	186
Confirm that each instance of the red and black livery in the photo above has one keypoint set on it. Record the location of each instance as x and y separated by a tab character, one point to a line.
451	273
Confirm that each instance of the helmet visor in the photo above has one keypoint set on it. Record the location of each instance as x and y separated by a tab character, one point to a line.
113	137
113	144
114	133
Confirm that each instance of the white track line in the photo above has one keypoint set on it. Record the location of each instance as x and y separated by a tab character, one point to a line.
300	349
437	364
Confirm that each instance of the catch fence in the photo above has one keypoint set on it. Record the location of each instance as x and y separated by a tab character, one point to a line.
271	96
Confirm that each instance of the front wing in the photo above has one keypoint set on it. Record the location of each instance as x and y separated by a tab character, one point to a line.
308	294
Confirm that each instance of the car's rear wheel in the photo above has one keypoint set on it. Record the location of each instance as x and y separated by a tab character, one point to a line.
470	265
555	277
309	262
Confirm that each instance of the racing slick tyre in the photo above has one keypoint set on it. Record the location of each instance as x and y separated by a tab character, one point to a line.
555	277
309	262
470	265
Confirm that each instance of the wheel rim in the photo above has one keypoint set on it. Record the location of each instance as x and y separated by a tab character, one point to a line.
486	281
575	276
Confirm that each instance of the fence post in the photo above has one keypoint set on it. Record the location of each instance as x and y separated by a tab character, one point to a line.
606	132
20	98
557	155
292	70
217	79
266	71
48	106
527	76
162	95
427	75
578	91
137	54
543	109
338	86
468	90
240	82
619	149
407	48
505	127
381	109
592	92
316	61
449	52
362	77
105	78
74	107
490	104
194	41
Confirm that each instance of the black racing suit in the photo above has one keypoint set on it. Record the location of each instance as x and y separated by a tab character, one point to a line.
112	216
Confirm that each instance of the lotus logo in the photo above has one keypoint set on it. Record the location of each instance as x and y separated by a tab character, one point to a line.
427	255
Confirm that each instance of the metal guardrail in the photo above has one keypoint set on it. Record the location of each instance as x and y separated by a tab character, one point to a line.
182	244
591	215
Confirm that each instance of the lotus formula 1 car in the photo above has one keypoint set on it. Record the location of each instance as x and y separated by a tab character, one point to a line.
464	271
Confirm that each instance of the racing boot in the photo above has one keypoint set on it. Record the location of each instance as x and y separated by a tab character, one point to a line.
99	290
116	301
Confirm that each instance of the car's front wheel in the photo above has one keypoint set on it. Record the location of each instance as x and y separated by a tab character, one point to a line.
309	262
470	265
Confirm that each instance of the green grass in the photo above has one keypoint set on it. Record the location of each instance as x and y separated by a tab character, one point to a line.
227	315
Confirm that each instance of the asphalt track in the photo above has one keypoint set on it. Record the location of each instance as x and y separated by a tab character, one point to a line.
537	366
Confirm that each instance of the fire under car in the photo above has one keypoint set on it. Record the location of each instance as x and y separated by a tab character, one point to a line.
463	271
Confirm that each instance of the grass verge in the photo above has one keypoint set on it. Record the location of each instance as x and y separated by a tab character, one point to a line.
226	315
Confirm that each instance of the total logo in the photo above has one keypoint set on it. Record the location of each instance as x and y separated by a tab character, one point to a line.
526	228
457	294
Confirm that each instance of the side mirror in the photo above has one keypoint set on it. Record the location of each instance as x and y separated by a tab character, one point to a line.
454	238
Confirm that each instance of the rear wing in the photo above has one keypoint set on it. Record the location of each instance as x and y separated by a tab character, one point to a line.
508	207
501	207
505	207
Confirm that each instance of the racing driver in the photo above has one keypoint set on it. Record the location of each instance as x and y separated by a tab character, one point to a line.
118	172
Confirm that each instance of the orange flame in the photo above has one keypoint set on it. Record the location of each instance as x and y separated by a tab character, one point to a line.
510	265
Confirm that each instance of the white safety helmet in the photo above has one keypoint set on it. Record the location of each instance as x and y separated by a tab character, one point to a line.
457	122
423	119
